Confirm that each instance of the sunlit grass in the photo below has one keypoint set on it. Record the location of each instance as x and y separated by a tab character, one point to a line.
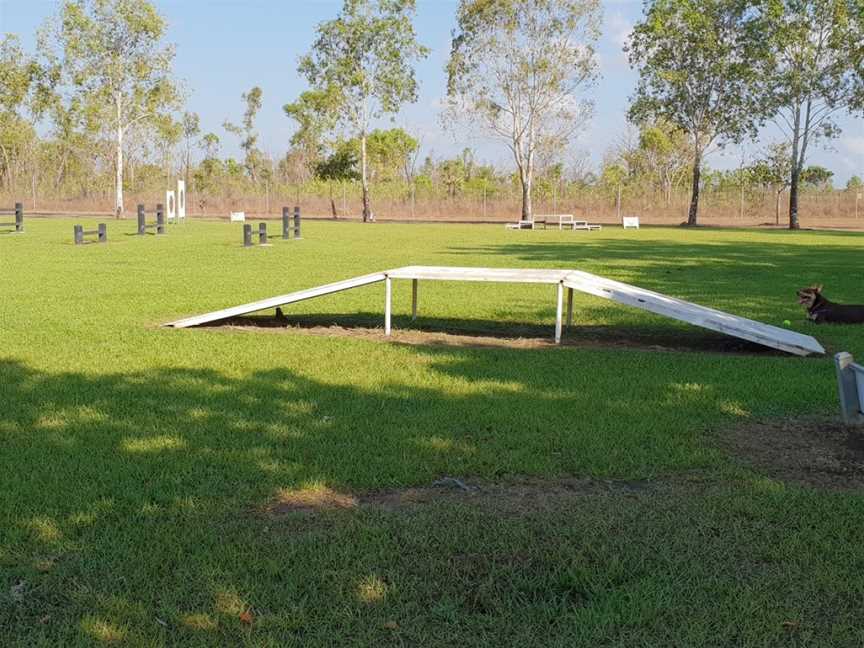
139	464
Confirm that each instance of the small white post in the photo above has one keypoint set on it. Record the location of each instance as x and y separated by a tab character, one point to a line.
414	283
569	307
388	298
559	312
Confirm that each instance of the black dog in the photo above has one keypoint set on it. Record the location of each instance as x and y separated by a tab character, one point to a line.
820	310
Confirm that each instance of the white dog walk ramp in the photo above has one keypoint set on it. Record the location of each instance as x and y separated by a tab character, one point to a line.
709	318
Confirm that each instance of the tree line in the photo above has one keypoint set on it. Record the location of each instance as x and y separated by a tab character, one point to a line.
99	102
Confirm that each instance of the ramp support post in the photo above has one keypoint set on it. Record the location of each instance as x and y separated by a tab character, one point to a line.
388	303
559	311
569	307
414	283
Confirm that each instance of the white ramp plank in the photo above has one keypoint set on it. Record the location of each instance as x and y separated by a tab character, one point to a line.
281	300
709	318
493	275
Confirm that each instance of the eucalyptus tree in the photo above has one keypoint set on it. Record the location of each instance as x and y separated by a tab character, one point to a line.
17	75
191	125
701	66
518	70
817	73
111	57
362	62
247	133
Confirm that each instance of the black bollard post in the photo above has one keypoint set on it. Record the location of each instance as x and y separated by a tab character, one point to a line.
296	222
160	218
79	234
102	231
247	235
286	223
19	217
142	221
262	233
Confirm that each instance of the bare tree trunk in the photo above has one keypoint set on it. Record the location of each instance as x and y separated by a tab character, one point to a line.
777	206
527	207
118	187
332	202
364	180
693	215
793	199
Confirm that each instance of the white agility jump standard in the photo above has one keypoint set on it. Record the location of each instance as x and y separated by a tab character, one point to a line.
709	318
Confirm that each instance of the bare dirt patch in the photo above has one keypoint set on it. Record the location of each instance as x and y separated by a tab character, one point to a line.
516	336
816	453
515	496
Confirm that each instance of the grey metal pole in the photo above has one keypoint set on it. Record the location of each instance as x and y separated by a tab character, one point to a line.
19	217
388	304
297	222
103	233
142	221
79	234
286	223
160	218
247	235
262	233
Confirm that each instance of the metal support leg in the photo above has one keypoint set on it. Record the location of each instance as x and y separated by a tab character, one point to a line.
388	299
569	307
559	310
414	283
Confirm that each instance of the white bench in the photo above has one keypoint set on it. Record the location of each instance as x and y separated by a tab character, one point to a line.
850	384
562	220
630	222
525	224
237	217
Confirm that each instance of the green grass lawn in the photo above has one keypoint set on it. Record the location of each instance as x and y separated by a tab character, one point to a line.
138	464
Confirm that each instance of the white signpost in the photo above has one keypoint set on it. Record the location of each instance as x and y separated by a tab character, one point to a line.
181	201
170	207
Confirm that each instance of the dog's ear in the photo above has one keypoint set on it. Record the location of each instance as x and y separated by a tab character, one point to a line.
818	288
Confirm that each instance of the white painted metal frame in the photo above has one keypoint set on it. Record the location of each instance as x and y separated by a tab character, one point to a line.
764	334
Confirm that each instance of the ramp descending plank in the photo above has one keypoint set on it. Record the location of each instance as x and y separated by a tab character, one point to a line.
281	300
709	318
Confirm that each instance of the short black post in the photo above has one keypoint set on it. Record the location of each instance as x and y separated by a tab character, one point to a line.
142	221
262	233
160	218
19	217
296	222
286	223
247	235
102	232
79	234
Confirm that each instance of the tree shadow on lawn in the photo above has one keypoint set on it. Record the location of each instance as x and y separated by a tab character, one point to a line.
147	482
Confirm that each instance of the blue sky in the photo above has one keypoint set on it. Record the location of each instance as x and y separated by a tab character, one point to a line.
225	47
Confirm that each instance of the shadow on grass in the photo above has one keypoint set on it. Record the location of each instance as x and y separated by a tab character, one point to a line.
133	497
475	332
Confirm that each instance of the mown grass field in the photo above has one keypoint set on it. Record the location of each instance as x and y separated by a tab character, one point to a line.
139	465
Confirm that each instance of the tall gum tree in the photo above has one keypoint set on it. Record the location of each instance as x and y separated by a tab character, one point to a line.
817	73
701	66
110	57
517	70
362	61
